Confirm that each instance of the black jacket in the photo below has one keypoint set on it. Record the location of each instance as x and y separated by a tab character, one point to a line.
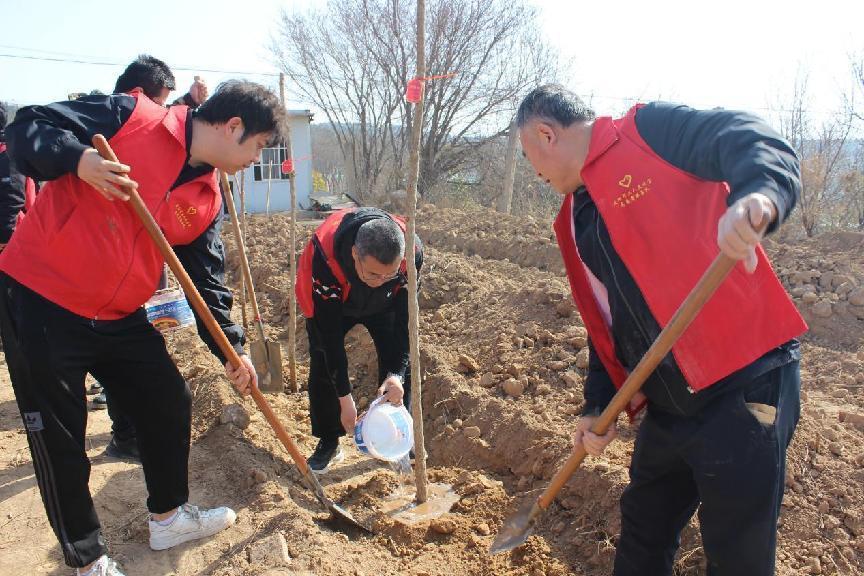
11	195
46	142
716	145
363	301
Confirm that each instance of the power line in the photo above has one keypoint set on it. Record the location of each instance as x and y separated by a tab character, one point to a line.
95	63
55	52
770	110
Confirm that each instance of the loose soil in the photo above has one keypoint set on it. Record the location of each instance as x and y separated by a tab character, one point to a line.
502	364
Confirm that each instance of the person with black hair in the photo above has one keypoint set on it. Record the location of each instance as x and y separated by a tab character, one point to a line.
156	80
352	272
650	200
78	269
153	77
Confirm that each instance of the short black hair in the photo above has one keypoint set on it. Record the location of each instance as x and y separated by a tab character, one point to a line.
382	239
553	102
258	108
150	73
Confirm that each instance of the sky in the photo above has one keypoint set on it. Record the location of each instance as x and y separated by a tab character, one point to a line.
732	54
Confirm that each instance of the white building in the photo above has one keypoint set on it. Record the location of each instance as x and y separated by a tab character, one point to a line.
265	183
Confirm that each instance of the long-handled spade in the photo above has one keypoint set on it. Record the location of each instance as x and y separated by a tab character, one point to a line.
215	330
266	355
519	526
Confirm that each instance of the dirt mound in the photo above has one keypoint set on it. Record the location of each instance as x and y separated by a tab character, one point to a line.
503	364
504	357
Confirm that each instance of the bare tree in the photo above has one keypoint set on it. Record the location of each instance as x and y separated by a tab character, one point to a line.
354	61
852	187
822	153
325	55
858	87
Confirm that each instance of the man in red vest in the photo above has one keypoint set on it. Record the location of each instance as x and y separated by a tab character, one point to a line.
154	78
80	266
649	201
352	272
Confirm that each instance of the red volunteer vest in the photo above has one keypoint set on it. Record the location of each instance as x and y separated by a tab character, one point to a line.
92	256
663	224
324	235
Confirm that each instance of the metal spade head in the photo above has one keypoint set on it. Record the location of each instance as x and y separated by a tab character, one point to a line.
336	511
517	527
267	360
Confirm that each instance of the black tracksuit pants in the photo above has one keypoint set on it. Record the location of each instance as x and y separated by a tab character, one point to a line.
324	410
723	461
49	351
122	427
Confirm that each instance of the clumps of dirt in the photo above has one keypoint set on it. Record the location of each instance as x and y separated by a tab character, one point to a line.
522	240
825	277
503	364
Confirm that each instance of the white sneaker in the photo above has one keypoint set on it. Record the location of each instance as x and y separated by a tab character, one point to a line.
102	567
190	523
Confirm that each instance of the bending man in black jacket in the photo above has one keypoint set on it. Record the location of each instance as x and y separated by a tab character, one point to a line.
353	271
649	201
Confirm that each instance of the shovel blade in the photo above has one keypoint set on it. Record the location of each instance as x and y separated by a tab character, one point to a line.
517	527
261	362
336	511
274	355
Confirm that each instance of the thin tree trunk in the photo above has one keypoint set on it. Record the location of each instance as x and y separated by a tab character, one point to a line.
505	201
421	480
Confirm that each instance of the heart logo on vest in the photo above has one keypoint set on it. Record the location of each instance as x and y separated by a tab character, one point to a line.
626	181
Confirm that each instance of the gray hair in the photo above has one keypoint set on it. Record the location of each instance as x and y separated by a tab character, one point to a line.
382	239
553	102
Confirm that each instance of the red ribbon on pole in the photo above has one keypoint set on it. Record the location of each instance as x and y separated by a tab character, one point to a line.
414	90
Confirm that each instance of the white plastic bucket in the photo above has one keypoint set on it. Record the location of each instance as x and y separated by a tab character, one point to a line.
385	431
168	310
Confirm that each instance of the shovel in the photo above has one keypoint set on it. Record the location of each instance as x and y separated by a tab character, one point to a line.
519	526
266	355
195	300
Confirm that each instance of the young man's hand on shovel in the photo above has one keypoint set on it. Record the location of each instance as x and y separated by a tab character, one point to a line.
595	444
108	178
244	377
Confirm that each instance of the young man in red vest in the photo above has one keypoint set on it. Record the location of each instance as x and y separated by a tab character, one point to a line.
649	201
353	271
154	78
80	266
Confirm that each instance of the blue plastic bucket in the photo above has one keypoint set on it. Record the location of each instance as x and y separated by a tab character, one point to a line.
385	431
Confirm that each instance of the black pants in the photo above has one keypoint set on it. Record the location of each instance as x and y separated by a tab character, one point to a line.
324	409
122	427
723	461
49	351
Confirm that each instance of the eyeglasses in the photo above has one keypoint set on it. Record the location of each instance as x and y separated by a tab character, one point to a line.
373	275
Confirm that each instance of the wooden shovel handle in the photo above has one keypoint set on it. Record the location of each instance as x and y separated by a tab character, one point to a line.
197	302
241	247
704	289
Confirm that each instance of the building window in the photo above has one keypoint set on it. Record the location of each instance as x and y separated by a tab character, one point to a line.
270	166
